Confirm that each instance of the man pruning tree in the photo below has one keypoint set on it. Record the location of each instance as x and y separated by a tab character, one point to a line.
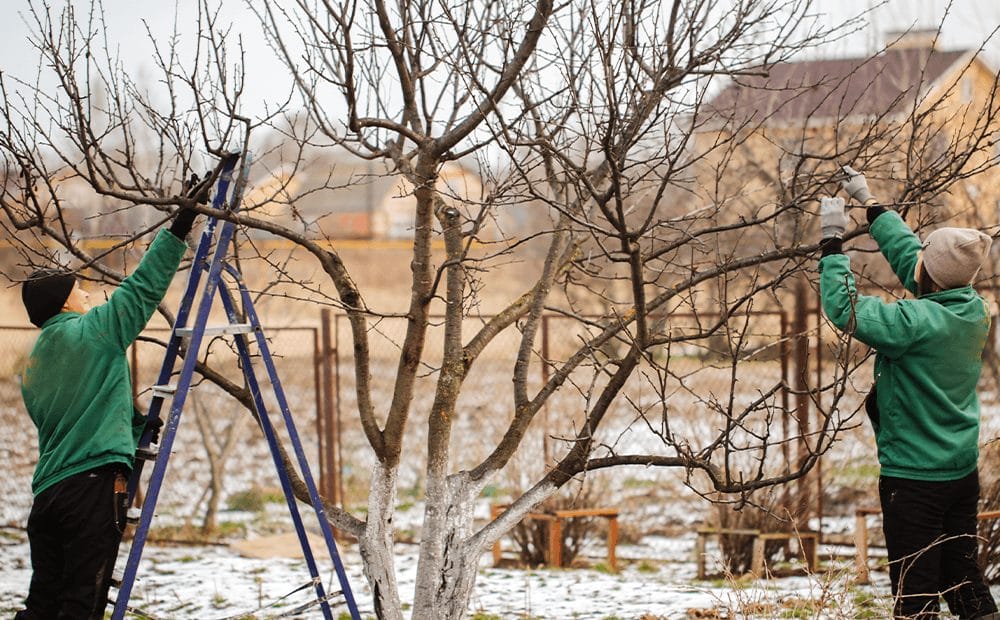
78	392
924	407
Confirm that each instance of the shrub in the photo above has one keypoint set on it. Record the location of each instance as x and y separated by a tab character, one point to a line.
989	529
770	514
531	536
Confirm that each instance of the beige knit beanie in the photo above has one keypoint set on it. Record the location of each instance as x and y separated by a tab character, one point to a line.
953	256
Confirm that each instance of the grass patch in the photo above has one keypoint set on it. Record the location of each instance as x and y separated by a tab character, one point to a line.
194	534
853	475
254	499
639	483
604	567
866	605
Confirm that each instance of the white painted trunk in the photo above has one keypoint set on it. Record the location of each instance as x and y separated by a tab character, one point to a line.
446	573
376	545
449	550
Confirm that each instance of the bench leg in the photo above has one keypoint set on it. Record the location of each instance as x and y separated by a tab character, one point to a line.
810	549
555	543
699	555
496	553
861	548
612	543
494	513
757	559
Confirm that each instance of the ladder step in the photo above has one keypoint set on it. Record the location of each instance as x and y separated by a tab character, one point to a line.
133	515
163	391
149	453
217	330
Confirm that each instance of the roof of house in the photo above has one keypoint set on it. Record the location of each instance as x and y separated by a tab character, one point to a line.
793	92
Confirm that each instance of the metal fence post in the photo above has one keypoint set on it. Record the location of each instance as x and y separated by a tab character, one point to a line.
546	449
802	398
318	397
330	438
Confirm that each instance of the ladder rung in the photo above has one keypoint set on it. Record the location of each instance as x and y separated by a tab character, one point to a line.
162	391
148	453
133	515
216	330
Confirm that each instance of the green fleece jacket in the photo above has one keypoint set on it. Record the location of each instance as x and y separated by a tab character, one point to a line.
927	363
76	386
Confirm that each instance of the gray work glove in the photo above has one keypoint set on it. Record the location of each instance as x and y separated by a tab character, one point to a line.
832	217
856	186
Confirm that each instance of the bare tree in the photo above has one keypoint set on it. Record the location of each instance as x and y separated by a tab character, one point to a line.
664	224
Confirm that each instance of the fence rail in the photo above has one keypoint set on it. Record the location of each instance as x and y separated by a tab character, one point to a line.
317	367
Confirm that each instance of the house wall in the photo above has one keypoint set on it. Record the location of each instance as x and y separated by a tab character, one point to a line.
774	162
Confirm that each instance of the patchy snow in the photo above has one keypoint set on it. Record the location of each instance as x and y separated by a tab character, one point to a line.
215	582
656	581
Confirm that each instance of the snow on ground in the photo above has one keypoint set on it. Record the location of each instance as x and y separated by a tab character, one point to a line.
214	582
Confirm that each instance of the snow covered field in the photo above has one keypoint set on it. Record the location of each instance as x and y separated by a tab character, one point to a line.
215	582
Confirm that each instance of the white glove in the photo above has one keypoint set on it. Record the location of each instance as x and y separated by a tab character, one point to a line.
856	186
832	217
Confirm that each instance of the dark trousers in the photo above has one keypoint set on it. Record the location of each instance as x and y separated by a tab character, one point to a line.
930	534
74	529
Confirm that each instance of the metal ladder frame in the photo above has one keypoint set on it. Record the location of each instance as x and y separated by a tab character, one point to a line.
178	394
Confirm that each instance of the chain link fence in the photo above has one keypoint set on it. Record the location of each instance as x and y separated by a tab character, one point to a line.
688	384
219	450
684	383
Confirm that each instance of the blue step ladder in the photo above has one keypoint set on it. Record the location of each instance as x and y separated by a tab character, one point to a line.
220	235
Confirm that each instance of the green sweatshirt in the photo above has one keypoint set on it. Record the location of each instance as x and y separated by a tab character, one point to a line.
76	386
927	363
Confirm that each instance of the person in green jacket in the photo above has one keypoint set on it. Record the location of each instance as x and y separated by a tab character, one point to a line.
77	390
924	406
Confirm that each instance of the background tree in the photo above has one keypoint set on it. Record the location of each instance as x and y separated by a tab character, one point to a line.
589	116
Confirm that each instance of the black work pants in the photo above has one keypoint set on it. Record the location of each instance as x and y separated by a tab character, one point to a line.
74	528
930	534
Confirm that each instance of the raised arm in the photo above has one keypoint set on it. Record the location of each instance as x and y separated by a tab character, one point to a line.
895	239
122	318
887	327
120	321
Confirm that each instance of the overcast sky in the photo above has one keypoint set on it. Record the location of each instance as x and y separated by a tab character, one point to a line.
969	23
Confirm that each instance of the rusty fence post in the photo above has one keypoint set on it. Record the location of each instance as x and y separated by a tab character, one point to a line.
335	409
546	448
800	347
786	378
330	439
318	397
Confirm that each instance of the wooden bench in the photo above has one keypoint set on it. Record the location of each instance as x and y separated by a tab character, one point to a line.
861	538
808	544
554	521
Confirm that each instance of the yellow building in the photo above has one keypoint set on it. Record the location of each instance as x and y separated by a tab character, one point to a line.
921	123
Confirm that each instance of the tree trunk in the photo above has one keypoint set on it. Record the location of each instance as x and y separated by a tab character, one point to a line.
448	565
209	523
375	545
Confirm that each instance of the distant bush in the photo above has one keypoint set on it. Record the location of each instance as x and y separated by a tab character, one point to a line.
531	536
254	499
770	515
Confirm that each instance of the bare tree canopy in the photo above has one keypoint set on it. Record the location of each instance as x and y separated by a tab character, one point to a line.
653	215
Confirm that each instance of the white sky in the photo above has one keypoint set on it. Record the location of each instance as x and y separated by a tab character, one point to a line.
969	23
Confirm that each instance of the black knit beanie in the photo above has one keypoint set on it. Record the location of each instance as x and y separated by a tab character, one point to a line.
45	292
